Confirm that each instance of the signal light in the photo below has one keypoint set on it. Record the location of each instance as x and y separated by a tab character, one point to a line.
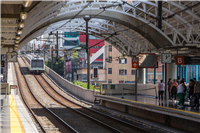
95	72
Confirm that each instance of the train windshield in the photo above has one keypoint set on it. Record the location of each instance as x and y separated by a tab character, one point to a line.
37	63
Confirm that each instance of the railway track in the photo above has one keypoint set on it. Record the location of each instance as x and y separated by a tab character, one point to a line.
79	122
112	123
46	119
93	114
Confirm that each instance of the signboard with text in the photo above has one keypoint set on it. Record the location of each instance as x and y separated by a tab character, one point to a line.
179	60
187	60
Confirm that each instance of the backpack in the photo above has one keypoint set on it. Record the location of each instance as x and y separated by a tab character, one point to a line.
193	101
174	89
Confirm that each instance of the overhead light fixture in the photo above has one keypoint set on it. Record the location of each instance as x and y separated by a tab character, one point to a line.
184	48
27	3
23	15
3	41
21	24
16	45
198	45
17	37
16	41
19	32
168	50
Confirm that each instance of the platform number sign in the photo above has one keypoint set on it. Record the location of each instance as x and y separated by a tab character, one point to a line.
95	72
12	56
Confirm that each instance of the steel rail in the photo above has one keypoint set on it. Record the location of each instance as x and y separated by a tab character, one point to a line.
72	129
92	110
83	114
123	122
38	122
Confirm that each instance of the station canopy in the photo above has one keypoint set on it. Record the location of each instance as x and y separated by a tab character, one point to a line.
130	26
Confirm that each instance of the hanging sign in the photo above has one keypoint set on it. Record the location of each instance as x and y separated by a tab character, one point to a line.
192	60
134	64
147	60
187	60
13	86
180	60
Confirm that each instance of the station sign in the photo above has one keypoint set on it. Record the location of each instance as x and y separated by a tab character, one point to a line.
12	56
134	64
147	60
13	86
187	60
180	60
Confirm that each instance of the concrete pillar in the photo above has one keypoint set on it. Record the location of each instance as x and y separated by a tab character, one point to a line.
141	75
171	71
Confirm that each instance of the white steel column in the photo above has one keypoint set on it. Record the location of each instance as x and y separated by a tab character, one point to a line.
171	71
141	75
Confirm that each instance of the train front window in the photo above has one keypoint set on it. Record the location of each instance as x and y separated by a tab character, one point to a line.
37	63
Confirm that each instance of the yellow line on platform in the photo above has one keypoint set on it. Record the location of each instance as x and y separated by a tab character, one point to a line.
15	120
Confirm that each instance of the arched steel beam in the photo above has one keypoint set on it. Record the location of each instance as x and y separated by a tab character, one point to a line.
157	39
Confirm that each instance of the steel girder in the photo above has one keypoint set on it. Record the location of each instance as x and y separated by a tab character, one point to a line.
142	29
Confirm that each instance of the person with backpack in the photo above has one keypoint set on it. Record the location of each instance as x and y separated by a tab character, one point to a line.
178	80
180	92
173	89
169	86
161	87
197	92
191	88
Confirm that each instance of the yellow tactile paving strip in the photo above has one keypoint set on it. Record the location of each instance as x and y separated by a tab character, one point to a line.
15	120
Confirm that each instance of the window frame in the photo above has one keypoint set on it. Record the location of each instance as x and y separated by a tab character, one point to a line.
124	73
109	69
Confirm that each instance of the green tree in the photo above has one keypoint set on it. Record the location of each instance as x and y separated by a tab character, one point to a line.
58	66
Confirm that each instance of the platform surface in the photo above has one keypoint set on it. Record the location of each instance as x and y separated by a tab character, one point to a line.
14	115
154	101
168	107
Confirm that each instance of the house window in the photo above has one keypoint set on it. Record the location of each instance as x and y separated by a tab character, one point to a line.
122	72
112	87
132	72
109	80
109	70
123	61
110	48
110	59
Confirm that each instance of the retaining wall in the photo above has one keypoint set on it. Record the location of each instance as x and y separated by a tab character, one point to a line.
87	95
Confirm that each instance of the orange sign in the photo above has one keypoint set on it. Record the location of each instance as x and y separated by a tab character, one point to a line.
13	86
134	64
180	60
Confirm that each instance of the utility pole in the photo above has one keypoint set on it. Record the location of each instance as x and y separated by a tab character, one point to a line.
52	58
87	19
65	54
44	52
57	46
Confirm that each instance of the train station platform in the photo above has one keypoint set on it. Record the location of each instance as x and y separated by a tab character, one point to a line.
149	108
14	115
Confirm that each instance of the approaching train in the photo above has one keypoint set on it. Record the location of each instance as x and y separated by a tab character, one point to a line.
35	63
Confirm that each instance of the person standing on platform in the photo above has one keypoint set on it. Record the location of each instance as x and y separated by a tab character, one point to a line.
161	87
195	81
181	89
191	88
173	90
197	92
178	80
169	85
